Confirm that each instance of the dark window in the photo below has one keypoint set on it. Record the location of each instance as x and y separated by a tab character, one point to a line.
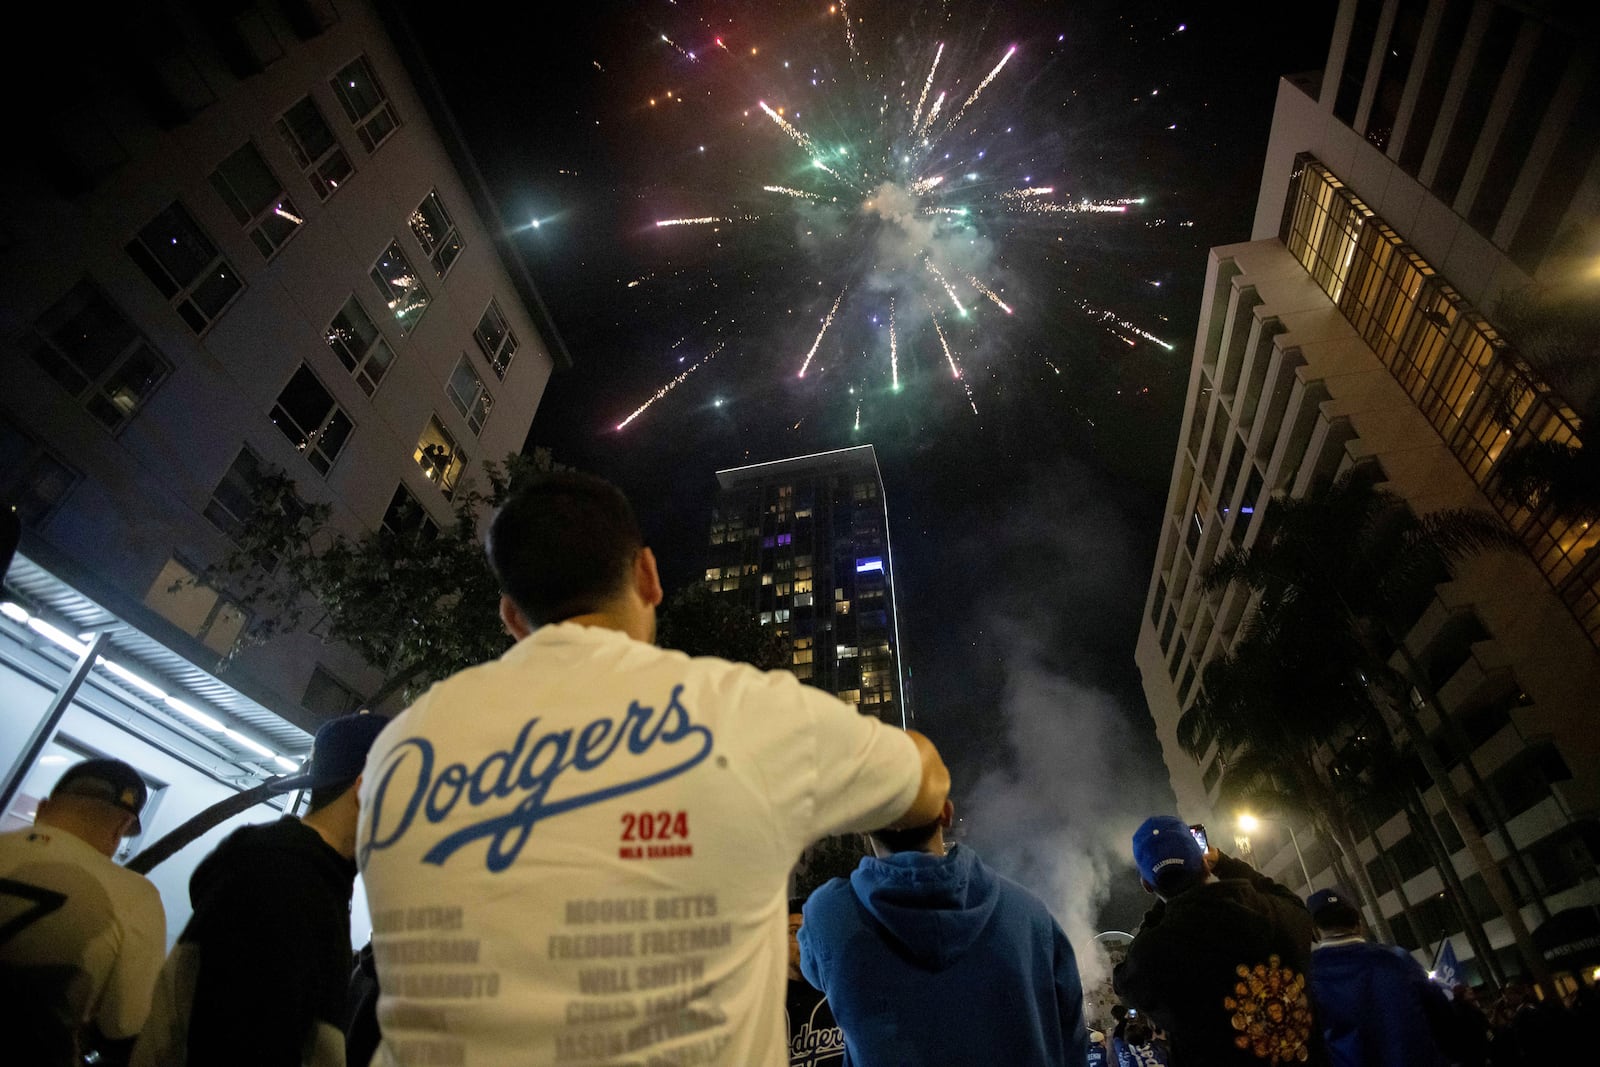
1435	79
365	103
407	518
1167	629
496	340
359	346
233	502
400	287
97	355
1487	68
436	232
1393	70
256	198
328	697
309	418
469	395
33	480
1363	31
1159	602
316	150
180	260
1185	685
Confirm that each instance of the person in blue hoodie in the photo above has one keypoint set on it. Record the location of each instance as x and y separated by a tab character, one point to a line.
929	957
1376	1005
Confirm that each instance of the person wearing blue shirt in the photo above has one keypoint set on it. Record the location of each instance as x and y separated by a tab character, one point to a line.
1376	1005
929	957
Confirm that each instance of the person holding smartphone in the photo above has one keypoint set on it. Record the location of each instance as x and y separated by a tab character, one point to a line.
1220	962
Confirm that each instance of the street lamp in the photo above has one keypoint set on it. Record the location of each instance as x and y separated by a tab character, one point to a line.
1249	824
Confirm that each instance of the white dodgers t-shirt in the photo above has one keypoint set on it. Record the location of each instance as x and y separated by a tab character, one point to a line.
577	854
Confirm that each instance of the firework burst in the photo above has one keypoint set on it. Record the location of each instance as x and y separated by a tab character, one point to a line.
907	216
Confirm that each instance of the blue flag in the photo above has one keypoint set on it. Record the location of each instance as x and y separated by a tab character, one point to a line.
1446	968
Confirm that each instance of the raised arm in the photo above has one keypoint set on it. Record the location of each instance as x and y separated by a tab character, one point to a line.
933	791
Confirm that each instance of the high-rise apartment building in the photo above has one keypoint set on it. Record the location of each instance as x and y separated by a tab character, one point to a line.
804	544
246	237
1444	160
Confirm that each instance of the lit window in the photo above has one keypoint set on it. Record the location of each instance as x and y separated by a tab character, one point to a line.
845	652
256	198
874	563
315	149
441	460
468	393
802	600
766	618
406	518
402	290
841	607
766	579
785	539
713	573
802	586
96	354
195	608
802	655
851	696
436	232
32	478
781	615
307	415
496	340
365	103
180	260
359	345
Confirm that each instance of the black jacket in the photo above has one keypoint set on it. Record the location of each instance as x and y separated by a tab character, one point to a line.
261	973
1222	968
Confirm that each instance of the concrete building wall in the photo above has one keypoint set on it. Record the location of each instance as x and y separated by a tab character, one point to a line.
144	487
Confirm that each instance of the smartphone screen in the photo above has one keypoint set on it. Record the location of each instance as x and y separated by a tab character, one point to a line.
1199	832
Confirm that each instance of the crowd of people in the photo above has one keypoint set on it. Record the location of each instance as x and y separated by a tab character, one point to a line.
580	853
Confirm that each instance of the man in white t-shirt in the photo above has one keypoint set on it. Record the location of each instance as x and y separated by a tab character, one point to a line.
578	853
81	938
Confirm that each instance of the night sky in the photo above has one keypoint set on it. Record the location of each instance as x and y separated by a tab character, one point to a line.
1023	535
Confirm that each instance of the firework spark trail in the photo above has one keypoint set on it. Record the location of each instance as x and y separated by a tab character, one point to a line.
933	113
947	286
849	32
678	48
916	116
1082	207
672	384
990	293
894	352
799	138
922	185
799	194
1122	323
1026	192
825	324
955	371
703	221
858	414
981	87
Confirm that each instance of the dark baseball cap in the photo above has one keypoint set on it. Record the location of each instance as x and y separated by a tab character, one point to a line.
1323	899
339	751
109	780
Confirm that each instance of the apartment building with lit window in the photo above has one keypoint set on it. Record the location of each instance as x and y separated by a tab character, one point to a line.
1444	161
803	543
244	237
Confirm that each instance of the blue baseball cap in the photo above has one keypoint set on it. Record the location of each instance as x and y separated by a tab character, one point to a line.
1163	842
339	752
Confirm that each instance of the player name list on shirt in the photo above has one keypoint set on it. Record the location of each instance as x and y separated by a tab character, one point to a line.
639	979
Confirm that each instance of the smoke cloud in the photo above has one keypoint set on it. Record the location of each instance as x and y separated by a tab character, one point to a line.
1078	776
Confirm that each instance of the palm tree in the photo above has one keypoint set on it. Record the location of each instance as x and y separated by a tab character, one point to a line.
1352	567
1270	708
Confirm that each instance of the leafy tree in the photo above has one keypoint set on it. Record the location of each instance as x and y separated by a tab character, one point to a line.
700	623
1339	577
417	602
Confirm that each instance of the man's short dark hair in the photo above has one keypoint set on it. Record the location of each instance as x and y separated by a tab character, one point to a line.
1337	916
908	840
1176	880
323	795
563	546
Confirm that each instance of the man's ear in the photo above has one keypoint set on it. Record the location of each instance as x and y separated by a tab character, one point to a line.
647	578
515	622
948	814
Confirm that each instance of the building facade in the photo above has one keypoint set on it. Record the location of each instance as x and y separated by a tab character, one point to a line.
251	240
1444	162
803	543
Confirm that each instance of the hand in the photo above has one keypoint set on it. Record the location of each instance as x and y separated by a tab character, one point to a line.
1211	857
